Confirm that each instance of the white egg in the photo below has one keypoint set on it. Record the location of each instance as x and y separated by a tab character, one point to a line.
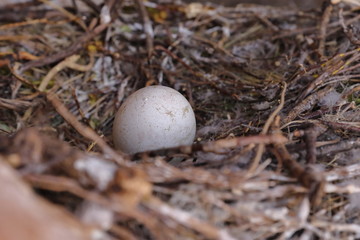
153	118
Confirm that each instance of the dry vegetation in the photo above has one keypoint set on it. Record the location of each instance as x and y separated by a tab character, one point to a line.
275	93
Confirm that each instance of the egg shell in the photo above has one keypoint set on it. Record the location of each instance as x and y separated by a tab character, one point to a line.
153	118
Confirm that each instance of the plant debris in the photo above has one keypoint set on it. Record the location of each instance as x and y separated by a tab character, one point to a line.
276	96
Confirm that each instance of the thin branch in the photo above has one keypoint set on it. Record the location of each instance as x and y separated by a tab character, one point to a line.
85	131
261	147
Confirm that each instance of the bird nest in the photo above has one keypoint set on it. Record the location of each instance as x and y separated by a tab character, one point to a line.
276	97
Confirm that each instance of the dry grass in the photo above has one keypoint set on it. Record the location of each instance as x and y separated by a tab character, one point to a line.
275	93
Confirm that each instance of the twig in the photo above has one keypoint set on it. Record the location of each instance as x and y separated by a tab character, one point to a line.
267	22
69	62
63	184
223	145
349	126
348	32
308	176
324	23
342	146
15	71
73	49
196	74
343	173
337	227
184	218
93	6
306	104
24	23
310	134
147	27
261	147
16	104
82	129
68	14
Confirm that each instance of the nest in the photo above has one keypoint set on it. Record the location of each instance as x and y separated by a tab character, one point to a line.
275	93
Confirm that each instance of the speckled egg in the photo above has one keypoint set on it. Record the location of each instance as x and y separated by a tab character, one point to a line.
153	118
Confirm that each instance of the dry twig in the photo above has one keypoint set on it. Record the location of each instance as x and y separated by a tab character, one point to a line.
269	121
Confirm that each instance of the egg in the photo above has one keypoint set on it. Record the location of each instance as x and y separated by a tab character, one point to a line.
152	118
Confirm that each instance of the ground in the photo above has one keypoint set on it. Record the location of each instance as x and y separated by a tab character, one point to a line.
275	92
